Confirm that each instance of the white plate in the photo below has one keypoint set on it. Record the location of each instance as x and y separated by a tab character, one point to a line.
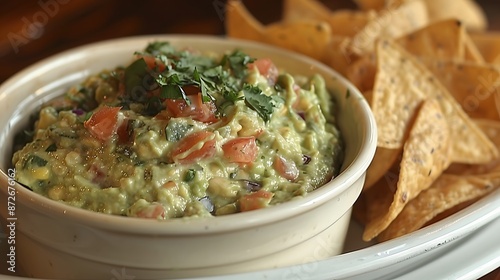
462	246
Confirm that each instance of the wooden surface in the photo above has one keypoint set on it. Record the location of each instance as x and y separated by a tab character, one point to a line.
32	30
68	23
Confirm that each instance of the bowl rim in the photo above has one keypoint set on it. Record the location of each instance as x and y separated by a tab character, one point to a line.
187	226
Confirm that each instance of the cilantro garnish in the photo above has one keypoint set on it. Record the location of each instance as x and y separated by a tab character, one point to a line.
153	106
51	148
237	61
258	101
189	176
220	82
172	91
35	160
135	75
158	48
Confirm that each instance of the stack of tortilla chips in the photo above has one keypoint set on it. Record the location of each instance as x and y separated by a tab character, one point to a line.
431	73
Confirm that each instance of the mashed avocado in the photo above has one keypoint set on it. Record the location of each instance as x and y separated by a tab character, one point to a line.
177	133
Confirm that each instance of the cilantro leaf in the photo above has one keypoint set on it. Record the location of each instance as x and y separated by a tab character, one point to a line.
51	148
258	101
237	62
158	48
34	160
206	87
189	176
153	106
135	74
172	91
221	82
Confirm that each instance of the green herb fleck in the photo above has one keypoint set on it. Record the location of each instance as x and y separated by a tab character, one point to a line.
34	160
172	91
189	176
135	75
157	48
237	62
87	116
51	148
153	106
258	101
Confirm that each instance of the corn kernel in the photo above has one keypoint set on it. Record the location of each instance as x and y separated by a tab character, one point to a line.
40	173
56	193
72	158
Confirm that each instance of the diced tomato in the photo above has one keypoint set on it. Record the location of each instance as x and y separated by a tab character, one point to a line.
169	185
123	132
163	115
208	148
153	211
255	200
98	174
103	123
197	110
153	63
286	168
266	68
191	90
240	150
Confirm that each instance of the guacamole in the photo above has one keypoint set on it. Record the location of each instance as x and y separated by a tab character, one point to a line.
179	133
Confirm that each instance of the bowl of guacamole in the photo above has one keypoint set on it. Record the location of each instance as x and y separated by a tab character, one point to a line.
180	156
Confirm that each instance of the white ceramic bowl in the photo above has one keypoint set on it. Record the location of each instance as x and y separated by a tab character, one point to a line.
56	241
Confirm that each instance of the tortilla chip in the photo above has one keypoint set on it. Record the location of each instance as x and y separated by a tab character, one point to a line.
398	90
296	10
447	192
362	72
442	40
241	24
467	11
342	22
401	84
348	22
476	87
368	96
452	210
370	4
492	130
425	156
389	23
382	162
336	56
309	37
472	53
488	44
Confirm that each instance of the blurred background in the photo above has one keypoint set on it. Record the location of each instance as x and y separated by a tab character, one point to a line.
32	30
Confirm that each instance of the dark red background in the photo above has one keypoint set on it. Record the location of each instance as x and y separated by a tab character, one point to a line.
69	23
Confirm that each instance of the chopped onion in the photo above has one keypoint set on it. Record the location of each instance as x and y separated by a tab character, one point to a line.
306	159
78	112
251	185
207	203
